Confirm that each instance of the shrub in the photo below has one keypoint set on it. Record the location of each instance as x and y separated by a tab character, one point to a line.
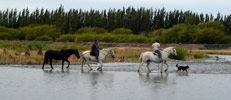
209	35
44	38
171	35
91	29
181	53
122	31
198	55
36	31
107	37
66	38
158	35
5	36
215	25
137	39
88	37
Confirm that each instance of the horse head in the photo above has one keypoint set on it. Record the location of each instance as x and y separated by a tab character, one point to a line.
173	51
112	53
77	53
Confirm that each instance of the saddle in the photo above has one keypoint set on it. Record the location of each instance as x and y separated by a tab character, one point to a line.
155	54
92	53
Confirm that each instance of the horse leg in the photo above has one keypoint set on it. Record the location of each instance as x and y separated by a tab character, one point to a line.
45	62
141	64
161	69
148	67
43	65
68	63
51	64
101	66
62	64
167	67
89	65
83	60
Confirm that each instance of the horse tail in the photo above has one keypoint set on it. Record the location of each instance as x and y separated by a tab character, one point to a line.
140	58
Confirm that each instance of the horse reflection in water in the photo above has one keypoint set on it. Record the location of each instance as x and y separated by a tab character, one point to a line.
153	78
59	55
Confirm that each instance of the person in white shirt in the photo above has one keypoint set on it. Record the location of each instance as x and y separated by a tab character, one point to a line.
157	48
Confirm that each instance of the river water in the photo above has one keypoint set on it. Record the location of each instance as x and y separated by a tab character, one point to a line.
206	80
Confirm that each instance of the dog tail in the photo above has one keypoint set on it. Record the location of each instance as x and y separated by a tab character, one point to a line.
176	65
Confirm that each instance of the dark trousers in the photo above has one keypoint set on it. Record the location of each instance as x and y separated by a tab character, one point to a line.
96	54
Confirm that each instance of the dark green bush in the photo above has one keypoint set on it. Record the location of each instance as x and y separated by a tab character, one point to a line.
37	31
44	38
209	36
91	29
66	38
122	31
5	36
181	53
215	25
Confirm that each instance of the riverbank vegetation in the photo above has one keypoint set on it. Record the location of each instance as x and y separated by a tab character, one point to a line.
10	52
127	25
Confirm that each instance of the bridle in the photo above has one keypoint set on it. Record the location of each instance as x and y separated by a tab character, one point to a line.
76	53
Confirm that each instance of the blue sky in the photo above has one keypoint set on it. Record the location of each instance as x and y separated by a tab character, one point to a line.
200	6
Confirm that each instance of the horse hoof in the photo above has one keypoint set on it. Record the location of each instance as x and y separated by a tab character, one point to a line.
98	68
166	70
138	70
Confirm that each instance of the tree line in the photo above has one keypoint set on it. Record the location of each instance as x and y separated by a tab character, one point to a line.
140	20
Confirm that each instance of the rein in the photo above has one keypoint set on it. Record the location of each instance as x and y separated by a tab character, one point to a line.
76	53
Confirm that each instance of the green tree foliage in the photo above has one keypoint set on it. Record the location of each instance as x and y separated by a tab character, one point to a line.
139	20
66	38
122	31
91	29
44	38
33	32
209	36
5	36
215	25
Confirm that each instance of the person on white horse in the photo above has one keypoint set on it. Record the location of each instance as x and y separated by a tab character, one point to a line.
147	57
88	55
95	50
157	48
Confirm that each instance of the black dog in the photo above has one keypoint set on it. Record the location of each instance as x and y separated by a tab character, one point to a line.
183	68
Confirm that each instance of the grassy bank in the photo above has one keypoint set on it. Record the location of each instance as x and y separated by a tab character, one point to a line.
9	50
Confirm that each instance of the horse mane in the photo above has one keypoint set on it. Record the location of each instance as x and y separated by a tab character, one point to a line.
107	49
168	48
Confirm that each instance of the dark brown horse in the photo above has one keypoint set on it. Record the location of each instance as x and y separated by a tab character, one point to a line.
59	55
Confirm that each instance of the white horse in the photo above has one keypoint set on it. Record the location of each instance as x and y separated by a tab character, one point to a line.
148	57
86	57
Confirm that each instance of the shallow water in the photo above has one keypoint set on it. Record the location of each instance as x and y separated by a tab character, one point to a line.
207	80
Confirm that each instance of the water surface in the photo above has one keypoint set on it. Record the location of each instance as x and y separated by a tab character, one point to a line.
206	80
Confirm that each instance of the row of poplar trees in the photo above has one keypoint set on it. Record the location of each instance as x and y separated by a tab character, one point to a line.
139	20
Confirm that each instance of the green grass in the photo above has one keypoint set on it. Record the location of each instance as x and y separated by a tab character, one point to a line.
181	53
31	45
199	55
